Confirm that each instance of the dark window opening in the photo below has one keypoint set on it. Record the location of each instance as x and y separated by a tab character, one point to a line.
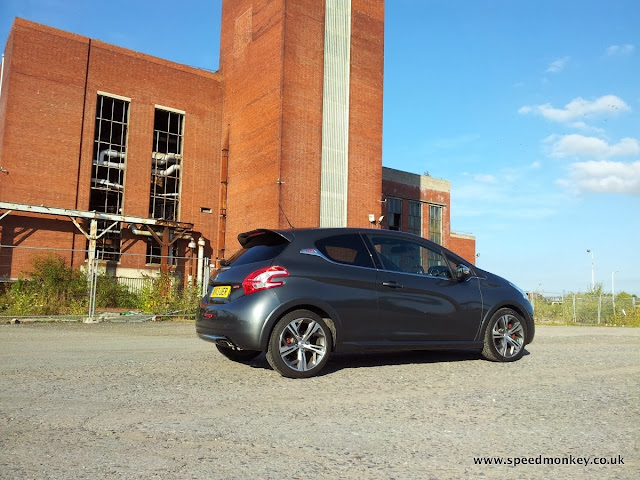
108	171
394	214
166	164
154	253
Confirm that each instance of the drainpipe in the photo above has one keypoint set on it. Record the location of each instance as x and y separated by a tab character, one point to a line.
200	263
224	180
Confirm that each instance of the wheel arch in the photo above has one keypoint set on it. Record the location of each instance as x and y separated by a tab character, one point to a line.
519	309
321	309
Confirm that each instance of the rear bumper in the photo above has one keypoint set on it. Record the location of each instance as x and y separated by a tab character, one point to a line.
241	322
217	339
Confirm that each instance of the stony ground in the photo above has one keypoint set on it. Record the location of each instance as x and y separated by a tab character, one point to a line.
153	401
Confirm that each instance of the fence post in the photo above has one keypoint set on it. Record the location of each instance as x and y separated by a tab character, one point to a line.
574	308
204	284
93	284
613	304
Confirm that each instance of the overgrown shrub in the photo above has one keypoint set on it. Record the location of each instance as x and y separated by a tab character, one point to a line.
110	294
167	295
52	289
588	308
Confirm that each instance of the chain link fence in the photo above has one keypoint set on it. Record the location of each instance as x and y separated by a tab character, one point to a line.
62	284
586	309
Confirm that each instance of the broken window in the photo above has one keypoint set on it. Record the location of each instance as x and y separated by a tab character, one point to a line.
154	253
166	164
107	173
394	213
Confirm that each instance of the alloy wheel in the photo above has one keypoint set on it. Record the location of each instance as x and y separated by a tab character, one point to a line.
508	335
302	344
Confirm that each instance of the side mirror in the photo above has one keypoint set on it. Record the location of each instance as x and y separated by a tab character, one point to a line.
462	272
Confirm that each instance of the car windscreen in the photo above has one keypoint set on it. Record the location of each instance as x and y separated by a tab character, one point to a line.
259	249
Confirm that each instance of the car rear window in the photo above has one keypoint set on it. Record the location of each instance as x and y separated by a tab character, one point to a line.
348	249
259	249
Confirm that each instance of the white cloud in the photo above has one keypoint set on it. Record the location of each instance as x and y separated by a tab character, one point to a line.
579	107
485	178
580	146
557	65
604	177
587	128
619	50
509	193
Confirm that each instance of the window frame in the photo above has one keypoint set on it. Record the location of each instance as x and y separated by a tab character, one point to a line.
391	214
424	245
362	244
435	224
108	170
412	228
158	195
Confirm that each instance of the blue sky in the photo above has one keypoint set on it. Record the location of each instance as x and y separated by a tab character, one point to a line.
530	108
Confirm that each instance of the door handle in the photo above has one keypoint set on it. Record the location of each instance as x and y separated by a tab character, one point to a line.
391	284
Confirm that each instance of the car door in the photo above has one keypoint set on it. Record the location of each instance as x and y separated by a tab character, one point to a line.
419	301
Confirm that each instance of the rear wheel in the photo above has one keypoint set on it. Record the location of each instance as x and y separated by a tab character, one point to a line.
299	345
504	337
236	354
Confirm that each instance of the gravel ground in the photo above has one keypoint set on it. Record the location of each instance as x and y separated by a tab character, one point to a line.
151	400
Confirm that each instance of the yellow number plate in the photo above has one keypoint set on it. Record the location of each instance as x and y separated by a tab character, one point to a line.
220	292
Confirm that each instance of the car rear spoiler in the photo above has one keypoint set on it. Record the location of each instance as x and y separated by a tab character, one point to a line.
265	236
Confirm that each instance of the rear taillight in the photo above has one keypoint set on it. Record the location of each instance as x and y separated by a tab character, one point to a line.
263	279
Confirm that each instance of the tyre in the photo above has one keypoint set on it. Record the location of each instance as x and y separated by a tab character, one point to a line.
299	345
504	337
236	354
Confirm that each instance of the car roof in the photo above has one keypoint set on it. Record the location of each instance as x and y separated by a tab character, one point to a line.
319	232
291	233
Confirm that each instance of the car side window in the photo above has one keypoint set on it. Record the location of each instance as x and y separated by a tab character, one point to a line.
402	255
348	249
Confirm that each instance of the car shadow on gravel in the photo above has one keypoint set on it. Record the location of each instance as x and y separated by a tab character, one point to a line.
342	361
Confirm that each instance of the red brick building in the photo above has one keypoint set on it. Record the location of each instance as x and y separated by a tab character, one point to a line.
420	204
287	132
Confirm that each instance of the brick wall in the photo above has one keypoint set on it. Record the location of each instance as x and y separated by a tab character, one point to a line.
429	190
365	111
272	61
464	245
265	104
48	109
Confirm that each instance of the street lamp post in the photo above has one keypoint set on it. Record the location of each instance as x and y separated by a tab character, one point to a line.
593	287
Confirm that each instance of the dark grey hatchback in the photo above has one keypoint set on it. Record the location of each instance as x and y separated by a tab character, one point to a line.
300	294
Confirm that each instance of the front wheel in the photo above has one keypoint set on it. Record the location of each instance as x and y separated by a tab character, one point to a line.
299	345
504	337
236	354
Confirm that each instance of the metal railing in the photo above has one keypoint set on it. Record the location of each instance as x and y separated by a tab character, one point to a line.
586	309
62	284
